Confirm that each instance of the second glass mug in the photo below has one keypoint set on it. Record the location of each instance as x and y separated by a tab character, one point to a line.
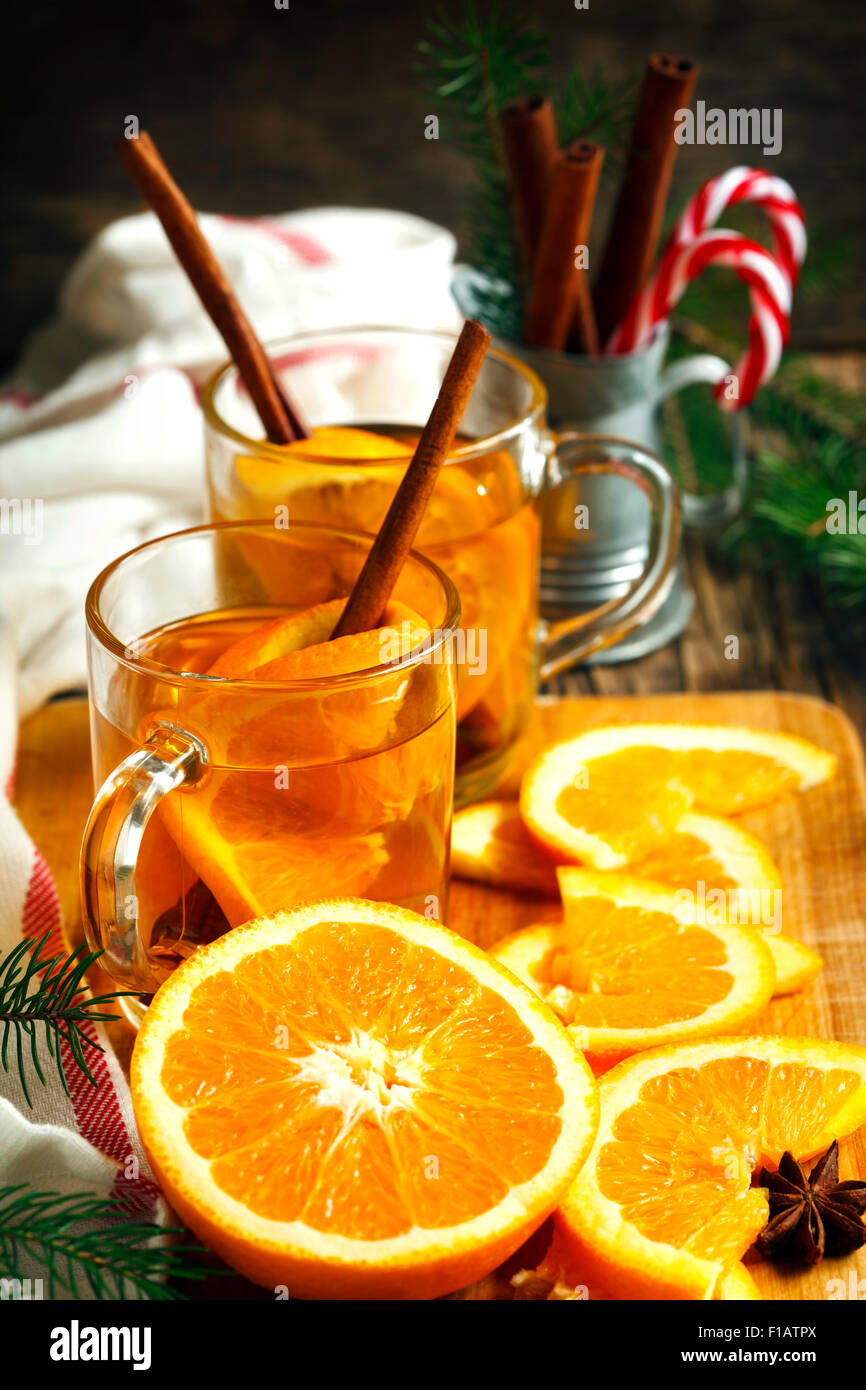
481	526
220	799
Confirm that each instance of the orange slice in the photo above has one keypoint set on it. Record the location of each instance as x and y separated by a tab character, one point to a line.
560	1277
490	843
264	838
317	486
734	878
350	1102
300	467
663	1207
716	859
274	650
737	1286
627	973
610	796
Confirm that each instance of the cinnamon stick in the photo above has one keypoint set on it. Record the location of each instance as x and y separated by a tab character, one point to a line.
637	220
281	419
388	552
559	290
530	149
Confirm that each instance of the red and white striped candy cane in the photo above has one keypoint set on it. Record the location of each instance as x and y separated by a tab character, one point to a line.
744	185
769	291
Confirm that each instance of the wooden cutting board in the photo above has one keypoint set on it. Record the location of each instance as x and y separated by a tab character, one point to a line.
818	840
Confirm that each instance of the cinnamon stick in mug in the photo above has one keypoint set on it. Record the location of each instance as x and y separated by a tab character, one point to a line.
530	150
637	220
387	554
559	291
280	418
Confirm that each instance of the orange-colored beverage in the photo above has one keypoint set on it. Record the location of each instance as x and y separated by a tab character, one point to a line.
304	789
479	528
366	393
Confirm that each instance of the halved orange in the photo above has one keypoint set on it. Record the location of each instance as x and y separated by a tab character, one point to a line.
663	1207
627	973
348	1101
610	796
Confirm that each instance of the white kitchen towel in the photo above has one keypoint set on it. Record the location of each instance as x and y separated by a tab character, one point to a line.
100	428
100	449
76	1142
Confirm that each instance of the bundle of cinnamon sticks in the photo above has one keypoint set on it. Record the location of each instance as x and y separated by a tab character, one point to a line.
553	194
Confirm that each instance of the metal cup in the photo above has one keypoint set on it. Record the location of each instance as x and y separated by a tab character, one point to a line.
583	566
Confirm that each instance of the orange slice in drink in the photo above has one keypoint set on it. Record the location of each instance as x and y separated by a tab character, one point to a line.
612	795
274	650
298	476
314	793
627	971
663	1207
345	476
349	1102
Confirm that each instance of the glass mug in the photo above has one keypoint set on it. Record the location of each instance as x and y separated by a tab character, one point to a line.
220	799
481	526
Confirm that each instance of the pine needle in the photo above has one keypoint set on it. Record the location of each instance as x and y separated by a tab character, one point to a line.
42	1000
107	1261
472	63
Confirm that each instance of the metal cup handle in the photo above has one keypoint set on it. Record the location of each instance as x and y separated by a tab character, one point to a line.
720	507
575	638
112	841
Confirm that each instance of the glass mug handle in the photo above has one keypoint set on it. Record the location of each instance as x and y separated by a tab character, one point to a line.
573	639
112	840
720	507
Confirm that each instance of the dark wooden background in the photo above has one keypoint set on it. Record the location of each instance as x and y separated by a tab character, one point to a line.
261	110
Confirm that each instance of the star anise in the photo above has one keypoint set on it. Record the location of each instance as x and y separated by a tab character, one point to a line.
814	1214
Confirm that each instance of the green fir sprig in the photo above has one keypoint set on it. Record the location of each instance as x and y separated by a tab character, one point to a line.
66	1235
473	62
809	448
42	1001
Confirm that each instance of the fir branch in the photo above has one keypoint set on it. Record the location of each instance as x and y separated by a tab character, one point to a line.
786	520
42	997
593	108
803	462
108	1261
473	63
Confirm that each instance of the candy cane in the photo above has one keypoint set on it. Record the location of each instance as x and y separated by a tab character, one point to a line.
745	185
769	291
